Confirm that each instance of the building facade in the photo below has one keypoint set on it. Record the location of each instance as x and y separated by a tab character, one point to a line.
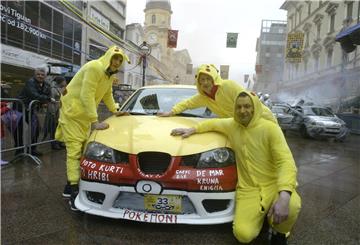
172	64
270	48
326	74
34	33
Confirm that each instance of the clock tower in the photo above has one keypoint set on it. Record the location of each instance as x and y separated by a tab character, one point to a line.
157	23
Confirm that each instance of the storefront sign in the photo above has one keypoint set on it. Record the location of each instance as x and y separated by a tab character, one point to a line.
19	57
13	18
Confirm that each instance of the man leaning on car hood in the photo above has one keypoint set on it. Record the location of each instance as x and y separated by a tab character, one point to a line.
265	167
215	93
78	111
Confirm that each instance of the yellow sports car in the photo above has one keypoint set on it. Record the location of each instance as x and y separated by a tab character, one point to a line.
136	170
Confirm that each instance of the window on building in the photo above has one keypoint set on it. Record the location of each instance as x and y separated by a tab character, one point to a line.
114	28
15	35
307	38
57	36
45	24
349	10
316	63
96	50
130	79
299	15
309	7
153	19
68	25
318	31
329	58
306	66
32	12
332	23
77	43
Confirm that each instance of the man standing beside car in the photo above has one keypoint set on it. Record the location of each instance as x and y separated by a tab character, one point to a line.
78	111
265	167
214	93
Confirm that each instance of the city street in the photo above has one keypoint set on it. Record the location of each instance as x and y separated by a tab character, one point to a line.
34	212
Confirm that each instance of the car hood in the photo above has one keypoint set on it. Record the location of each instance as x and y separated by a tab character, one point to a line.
134	134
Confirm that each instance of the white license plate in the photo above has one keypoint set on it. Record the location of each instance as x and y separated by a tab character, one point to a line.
163	203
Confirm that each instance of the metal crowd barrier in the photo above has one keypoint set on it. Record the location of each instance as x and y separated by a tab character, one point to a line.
14	124
36	128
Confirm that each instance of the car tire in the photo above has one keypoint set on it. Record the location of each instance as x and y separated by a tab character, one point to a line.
303	132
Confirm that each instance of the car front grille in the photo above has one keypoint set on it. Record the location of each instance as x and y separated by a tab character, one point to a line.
215	205
153	162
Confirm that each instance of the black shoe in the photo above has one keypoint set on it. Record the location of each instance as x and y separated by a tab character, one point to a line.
278	239
67	191
36	153
74	193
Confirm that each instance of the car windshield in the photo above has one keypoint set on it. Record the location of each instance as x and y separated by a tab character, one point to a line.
149	101
317	111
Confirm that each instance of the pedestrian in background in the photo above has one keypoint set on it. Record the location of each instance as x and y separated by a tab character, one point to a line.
78	111
52	113
36	88
266	170
4	109
214	93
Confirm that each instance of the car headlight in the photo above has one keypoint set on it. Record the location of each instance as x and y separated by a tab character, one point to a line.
220	157
315	123
102	153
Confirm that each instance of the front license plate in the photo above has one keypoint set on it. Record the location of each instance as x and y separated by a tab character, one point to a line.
163	203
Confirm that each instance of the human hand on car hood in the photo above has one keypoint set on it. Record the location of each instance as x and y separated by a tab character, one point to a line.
99	126
121	113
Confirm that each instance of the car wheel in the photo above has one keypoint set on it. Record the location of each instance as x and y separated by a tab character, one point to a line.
303	132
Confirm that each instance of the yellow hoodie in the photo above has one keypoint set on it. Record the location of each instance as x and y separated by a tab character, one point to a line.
262	154
223	105
91	84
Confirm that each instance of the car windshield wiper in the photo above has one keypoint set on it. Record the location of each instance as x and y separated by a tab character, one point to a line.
184	114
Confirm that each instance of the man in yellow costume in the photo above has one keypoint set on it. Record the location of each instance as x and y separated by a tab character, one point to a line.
214	93
78	112
265	167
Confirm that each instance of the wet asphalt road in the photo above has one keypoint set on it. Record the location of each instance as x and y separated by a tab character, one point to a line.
33	211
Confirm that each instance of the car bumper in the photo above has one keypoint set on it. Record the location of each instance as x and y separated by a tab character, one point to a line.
323	132
131	207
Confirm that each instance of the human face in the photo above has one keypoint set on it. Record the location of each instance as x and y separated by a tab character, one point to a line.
206	83
40	76
115	62
244	110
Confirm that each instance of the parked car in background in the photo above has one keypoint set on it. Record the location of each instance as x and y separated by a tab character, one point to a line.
312	121
136	170
284	119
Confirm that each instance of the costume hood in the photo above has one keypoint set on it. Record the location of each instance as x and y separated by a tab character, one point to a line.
258	108
210	70
113	50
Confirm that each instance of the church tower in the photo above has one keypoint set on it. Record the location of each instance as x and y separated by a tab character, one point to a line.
157	23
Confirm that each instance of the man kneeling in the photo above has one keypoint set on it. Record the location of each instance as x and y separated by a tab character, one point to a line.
265	167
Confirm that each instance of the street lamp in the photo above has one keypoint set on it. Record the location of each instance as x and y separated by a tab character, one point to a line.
145	50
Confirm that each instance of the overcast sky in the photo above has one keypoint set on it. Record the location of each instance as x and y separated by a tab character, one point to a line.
203	25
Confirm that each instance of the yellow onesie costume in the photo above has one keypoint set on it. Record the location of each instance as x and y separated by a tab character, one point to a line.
223	105
265	166
91	84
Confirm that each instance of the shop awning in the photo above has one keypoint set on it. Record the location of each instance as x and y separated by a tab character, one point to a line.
349	38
